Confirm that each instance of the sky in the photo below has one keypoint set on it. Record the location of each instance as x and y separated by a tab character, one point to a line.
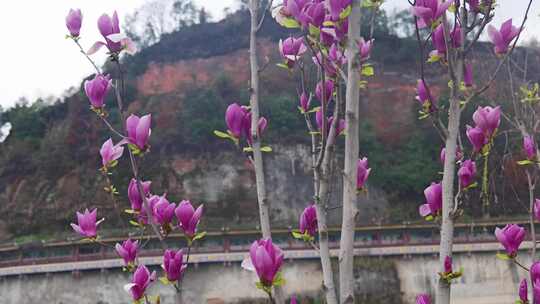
37	61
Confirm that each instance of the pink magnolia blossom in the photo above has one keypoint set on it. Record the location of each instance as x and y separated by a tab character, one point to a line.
128	251
267	259
466	173
188	217
134	196
87	224
138	130
141	279
433	204
110	153
96	90
429	11
362	172
510	237
115	41
502	37
529	147
173	264
308	220
74	22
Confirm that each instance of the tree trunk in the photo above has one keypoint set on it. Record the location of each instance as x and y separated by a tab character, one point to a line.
322	176
350	210
454	114
264	206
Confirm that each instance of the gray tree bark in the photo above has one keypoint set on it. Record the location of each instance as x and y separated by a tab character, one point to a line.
264	206
350	210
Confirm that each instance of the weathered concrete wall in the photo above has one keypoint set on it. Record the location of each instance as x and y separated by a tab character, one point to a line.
396	280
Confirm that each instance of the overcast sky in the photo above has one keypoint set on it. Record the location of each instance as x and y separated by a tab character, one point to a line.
36	60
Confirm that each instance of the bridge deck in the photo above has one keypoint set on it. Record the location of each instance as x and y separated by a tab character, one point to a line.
108	263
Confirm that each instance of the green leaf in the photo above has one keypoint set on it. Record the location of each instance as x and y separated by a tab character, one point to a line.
429	218
260	286
199	236
503	256
297	235
130	211
433	59
362	84
134	223
368	71
345	13
290	23
247	149
222	134
282	65
329	23
314	31
473	185
314	110
278	280
266	149
112	164
164	281
314	133
525	162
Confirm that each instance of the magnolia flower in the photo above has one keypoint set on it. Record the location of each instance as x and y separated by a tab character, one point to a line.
87	225
529	147
134	196
448	265
459	155
536	291
362	172
308	221
501	38
96	90
429	11
466	173
188	217
234	117
364	48
261	127
313	13
535	271
336	55
110	153
487	119
266	258
523	295
328	91
74	22
138	130
335	8
468	75
423	299
109	27
292	49
437	38
293	300
477	138
305	101
140	281
433	204
173	264
424	96
536	209
163	210
127	251
510	237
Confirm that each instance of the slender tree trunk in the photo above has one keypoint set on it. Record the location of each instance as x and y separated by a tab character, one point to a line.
322	178
264	206
454	113
531	214
350	211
